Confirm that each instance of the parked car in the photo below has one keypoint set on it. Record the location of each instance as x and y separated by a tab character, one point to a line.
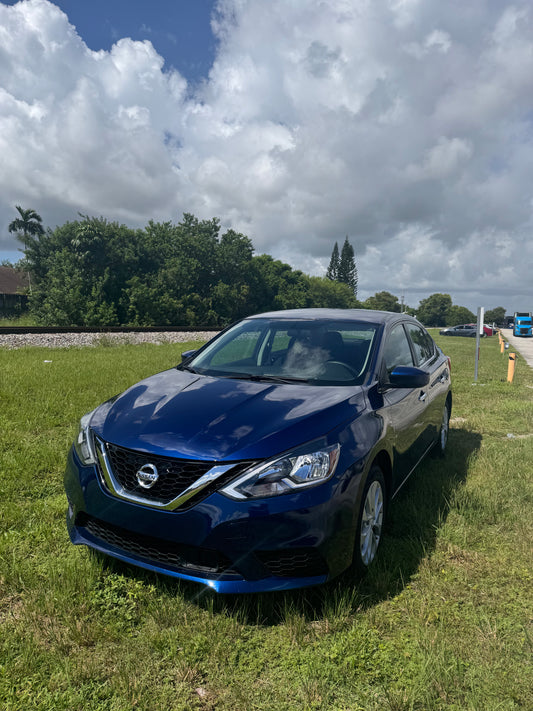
487	330
465	329
267	459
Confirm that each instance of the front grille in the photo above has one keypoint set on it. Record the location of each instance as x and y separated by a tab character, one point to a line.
190	559
293	562
175	475
119	468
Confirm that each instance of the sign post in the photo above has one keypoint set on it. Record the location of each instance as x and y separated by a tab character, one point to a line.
479	333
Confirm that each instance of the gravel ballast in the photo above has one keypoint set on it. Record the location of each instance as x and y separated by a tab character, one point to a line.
76	340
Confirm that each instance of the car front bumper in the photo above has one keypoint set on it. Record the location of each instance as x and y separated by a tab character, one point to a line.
279	543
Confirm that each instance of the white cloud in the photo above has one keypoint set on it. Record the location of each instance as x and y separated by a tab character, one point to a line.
442	160
405	125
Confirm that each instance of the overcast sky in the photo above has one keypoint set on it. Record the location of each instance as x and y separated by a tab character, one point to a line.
405	125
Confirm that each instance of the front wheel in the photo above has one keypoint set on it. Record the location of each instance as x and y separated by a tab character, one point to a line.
371	519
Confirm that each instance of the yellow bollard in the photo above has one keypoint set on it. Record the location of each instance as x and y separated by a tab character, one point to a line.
502	346
510	368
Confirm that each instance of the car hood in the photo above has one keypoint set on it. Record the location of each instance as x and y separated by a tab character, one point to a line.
177	413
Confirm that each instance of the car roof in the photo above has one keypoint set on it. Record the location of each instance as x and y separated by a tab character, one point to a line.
365	315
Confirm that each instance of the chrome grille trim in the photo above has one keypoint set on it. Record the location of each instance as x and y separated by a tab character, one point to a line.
114	487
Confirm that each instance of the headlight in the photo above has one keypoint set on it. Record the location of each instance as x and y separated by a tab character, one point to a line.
82	444
294	471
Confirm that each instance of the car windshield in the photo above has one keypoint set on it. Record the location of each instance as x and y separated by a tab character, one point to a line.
317	352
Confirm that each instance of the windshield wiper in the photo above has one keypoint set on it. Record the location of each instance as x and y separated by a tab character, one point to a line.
283	379
262	378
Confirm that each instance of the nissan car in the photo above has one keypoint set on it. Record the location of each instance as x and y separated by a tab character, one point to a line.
267	459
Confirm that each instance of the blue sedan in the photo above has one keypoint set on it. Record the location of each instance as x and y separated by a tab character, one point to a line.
267	459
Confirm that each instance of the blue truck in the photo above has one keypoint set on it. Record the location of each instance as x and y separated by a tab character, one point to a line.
522	324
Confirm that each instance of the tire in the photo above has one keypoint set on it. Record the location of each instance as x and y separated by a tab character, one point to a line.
370	520
439	449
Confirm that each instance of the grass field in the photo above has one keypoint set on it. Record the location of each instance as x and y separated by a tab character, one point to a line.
24	320
443	621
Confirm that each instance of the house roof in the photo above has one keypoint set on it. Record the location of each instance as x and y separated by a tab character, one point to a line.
12	281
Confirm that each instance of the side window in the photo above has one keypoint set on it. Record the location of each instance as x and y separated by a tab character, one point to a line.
397	350
422	342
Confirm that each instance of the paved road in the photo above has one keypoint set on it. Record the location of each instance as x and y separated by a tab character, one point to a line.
524	346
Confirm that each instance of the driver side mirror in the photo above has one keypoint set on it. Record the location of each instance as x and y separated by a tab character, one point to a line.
187	354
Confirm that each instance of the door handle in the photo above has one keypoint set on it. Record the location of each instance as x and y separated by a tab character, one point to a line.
422	396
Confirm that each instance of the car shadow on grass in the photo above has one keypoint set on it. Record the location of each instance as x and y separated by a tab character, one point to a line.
415	516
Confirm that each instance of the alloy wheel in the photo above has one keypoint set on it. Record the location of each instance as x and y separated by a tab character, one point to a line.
371	523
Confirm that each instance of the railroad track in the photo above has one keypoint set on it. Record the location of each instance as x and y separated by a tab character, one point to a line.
27	330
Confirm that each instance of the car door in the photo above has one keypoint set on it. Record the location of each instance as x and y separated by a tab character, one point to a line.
404	409
428	358
468	331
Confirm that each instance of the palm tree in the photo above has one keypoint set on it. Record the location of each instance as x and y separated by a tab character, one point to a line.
27	225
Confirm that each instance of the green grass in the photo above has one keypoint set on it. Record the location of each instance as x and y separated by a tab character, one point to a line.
22	320
443	620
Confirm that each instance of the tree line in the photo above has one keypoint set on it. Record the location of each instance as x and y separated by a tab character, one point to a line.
91	272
